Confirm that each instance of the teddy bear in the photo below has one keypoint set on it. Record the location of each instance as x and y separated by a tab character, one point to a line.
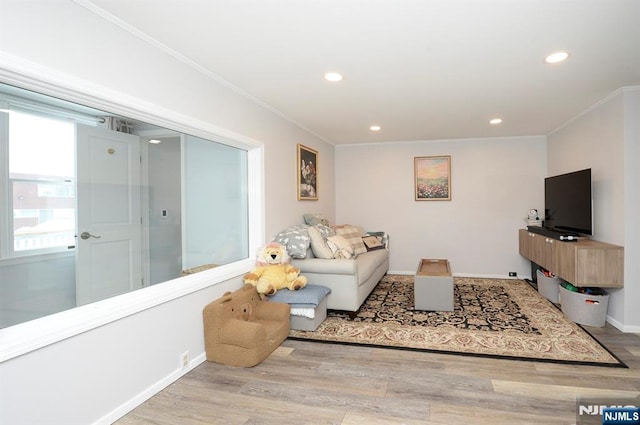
273	271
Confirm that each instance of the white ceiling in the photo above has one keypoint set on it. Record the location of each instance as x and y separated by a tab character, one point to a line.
422	69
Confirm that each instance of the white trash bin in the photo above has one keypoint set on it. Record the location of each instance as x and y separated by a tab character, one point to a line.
585	309
548	287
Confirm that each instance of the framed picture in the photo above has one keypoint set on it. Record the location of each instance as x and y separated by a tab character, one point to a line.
307	171
432	175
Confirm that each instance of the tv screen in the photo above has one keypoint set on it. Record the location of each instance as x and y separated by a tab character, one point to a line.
567	202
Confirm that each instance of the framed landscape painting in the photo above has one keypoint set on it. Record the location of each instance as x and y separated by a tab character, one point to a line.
307	170
432	175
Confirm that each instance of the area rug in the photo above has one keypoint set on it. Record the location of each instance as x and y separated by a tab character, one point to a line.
503	318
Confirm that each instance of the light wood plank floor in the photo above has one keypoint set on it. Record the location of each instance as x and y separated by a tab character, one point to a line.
317	383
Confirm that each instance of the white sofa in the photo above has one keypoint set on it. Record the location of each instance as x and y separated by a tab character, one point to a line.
350	281
343	258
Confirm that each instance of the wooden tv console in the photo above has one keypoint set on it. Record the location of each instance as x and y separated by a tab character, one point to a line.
582	263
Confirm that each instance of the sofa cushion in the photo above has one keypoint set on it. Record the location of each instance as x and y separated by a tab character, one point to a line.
354	235
309	295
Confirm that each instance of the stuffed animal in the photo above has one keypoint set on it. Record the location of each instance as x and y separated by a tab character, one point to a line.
273	271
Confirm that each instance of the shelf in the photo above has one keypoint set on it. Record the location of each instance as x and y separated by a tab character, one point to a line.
583	263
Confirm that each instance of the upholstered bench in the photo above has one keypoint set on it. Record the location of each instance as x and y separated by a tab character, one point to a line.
308	306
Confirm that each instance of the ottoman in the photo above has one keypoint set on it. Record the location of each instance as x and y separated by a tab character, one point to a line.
433	286
308	306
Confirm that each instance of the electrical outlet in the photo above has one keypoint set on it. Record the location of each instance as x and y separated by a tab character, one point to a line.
513	274
184	360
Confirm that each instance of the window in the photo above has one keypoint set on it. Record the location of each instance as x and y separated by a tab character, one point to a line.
40	177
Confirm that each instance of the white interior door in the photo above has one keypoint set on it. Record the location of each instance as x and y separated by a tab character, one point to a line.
108	243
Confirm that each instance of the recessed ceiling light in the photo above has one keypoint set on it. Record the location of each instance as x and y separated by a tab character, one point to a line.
556	57
155	141
333	77
375	128
495	121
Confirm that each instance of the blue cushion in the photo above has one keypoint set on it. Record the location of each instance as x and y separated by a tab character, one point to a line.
310	295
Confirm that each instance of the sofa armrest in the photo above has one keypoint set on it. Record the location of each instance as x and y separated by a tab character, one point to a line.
241	333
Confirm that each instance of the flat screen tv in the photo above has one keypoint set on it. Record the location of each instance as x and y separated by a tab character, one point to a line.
567	203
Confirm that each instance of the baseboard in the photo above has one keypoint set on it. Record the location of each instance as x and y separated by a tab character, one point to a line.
145	395
621	327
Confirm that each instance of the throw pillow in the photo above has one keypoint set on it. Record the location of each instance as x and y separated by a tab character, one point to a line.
354	235
313	219
382	236
296	239
340	247
319	244
372	243
324	230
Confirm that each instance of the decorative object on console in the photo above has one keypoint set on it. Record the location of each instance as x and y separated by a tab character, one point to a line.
241	330
307	171
273	271
432	178
533	219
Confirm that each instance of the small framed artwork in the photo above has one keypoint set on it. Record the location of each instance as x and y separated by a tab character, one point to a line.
307	171
432	176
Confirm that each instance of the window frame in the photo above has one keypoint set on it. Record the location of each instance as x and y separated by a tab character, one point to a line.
29	336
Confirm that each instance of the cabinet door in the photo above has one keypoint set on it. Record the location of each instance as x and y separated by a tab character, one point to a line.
539	248
536	248
599	266
524	243
546	251
565	262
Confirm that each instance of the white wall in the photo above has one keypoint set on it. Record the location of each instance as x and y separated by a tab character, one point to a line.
631	322
99	374
494	183
596	140
605	139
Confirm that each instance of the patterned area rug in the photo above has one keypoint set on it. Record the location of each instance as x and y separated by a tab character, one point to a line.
502	318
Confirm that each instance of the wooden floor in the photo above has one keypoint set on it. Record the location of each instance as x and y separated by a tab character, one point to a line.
318	383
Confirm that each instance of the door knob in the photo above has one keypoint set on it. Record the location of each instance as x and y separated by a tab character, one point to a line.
87	235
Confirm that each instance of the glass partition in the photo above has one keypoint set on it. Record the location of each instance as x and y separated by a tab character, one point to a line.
94	205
